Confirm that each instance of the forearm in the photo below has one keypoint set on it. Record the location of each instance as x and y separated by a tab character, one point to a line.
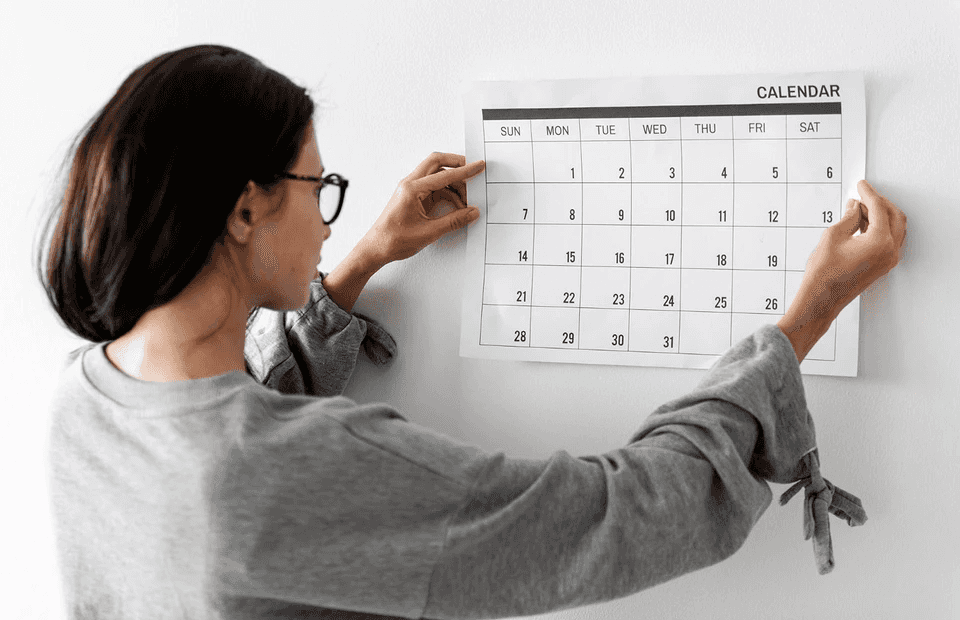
346	281
807	319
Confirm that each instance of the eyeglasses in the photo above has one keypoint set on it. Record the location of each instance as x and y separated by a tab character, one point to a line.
329	202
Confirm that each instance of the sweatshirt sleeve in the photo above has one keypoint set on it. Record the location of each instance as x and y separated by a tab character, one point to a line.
313	350
537	536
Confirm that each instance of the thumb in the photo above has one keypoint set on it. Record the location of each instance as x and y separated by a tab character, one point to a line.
455	220
850	222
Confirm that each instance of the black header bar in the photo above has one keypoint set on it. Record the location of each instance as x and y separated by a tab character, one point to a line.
664	111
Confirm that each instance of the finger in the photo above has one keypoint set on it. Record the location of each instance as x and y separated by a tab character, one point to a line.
898	223
436	161
455	220
867	191
851	220
461	189
446	177
435	199
875	208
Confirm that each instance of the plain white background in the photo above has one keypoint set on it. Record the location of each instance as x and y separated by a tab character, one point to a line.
388	79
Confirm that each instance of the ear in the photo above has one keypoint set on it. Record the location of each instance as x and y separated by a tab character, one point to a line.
246	213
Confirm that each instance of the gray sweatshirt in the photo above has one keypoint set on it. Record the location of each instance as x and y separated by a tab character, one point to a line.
264	495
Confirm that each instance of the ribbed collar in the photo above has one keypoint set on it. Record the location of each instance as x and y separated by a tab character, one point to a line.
156	398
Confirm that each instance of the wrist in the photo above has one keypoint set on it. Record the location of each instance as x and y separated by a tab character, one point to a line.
804	326
346	281
369	254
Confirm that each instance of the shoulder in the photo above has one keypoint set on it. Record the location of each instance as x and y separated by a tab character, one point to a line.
374	431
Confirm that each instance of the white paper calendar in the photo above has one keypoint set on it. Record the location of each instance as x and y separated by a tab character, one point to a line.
654	221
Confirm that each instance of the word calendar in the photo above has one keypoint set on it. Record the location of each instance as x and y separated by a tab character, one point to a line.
654	221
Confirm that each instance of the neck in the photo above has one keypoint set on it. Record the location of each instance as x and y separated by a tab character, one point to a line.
199	333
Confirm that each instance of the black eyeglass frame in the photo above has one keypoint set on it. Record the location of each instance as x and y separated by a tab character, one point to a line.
331	179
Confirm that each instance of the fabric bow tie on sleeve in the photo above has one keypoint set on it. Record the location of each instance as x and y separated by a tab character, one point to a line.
822	498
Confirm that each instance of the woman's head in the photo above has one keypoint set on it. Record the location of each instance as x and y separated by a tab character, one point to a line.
155	178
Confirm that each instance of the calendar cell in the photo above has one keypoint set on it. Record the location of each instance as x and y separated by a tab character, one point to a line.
506	131
508	285
759	248
706	128
558	203
759	127
510	203
759	292
814	204
760	161
665	128
813	126
606	129
506	326
557	162
605	162
800	243
556	286
655	246
704	333
508	162
655	289
744	325
708	161
654	332
706	248
556	328
708	204
760	204
706	290
606	246
656	161
659	204
791	285
555	130
604	329
606	203
557	245
814	161
605	287
509	244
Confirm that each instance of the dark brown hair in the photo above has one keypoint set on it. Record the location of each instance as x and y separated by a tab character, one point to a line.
154	176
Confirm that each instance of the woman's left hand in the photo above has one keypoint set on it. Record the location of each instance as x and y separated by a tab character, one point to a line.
410	221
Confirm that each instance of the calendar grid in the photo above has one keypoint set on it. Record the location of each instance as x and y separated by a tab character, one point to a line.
747	247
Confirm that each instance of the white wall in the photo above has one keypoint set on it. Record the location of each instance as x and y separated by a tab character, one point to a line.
392	76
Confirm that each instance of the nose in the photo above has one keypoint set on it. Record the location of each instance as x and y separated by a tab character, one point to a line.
326	230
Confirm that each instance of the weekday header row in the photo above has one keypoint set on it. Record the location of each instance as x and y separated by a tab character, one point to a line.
668	128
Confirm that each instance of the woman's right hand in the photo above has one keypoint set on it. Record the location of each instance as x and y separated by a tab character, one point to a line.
412	219
843	265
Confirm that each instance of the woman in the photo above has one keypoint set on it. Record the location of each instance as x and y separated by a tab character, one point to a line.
197	472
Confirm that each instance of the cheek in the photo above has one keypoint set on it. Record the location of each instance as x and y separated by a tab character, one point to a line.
266	261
